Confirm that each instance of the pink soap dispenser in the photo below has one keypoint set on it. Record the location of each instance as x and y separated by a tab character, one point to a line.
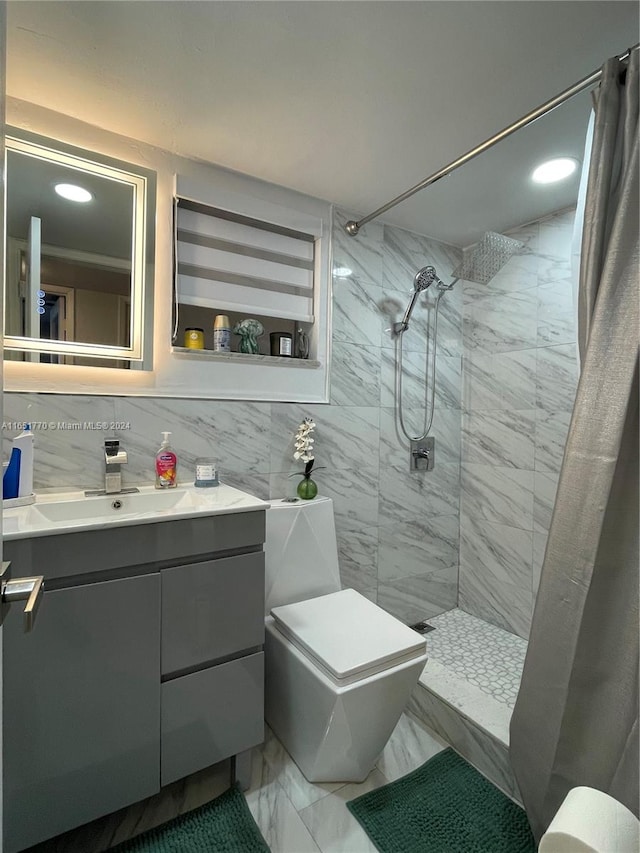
166	465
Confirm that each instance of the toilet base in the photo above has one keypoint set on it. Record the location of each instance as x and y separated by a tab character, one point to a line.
333	733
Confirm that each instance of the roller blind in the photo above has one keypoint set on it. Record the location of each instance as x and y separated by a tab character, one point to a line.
228	261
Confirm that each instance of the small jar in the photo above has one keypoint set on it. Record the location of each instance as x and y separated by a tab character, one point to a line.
281	343
206	473
194	338
221	334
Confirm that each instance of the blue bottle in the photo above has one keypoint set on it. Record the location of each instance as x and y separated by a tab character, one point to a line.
11	479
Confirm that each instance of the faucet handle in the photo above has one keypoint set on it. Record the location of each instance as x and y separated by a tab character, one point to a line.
112	453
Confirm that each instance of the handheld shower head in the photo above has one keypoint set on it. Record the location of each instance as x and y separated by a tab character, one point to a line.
424	278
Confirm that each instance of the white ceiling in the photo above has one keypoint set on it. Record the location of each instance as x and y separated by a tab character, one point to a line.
353	102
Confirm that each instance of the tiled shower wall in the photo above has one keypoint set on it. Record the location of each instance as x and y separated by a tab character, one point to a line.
519	380
398	532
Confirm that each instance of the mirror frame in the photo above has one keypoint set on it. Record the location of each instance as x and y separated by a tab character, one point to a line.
143	183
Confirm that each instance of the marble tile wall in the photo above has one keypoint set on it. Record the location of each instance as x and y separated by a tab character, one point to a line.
398	532
519	380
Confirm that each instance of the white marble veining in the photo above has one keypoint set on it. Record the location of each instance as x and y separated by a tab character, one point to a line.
417	597
500	438
556	378
416	548
498	321
361	254
500	381
356	317
499	495
544	496
356	381
550	436
506	605
495	553
556	314
358	556
407	496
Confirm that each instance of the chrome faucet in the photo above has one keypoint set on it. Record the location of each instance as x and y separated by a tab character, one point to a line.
114	458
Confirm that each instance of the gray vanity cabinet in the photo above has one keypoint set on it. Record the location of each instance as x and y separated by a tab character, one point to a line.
81	707
144	665
212	662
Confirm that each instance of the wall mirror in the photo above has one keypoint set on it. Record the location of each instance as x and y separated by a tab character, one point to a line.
80	247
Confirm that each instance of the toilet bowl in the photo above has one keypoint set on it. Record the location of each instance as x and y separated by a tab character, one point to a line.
339	670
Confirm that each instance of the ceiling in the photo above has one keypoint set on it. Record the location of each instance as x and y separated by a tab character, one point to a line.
352	102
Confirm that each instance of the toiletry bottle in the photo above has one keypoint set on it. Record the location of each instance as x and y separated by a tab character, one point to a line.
11	478
24	443
221	334
166	465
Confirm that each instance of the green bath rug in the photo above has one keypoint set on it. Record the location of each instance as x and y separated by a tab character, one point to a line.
445	806
225	825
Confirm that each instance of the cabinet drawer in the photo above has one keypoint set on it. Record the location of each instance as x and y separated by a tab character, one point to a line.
212	714
211	610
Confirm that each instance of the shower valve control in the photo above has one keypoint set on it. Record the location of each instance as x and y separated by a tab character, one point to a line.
422	454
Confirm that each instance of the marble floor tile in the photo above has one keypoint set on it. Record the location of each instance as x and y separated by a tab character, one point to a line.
409	746
481	654
332	825
283	768
273	811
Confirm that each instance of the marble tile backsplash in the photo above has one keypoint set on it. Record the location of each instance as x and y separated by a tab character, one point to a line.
471	531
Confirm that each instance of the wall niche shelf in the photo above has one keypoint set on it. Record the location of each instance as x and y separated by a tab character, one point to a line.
244	358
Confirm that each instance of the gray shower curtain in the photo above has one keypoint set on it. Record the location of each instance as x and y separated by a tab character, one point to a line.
576	717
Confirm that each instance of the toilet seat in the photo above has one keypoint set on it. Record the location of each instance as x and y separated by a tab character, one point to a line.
347	636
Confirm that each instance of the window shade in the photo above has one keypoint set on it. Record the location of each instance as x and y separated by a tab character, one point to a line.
233	262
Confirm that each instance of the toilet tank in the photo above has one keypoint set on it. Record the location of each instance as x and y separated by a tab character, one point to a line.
301	553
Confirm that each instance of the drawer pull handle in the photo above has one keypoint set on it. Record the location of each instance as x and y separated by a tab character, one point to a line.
24	589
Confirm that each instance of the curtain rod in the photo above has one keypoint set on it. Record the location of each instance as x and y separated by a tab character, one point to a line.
352	227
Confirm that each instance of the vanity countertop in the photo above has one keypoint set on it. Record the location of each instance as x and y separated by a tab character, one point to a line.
68	512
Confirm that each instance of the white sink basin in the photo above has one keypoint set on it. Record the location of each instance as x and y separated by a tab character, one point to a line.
107	505
71	511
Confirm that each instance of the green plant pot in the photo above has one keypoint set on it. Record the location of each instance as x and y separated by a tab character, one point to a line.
307	489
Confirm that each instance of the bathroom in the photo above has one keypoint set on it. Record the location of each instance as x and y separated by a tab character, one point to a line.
468	536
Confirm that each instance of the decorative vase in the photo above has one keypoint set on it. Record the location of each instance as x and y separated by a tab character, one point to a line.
248	344
307	489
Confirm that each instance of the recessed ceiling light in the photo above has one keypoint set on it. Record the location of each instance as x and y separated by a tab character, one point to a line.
342	272
72	192
554	170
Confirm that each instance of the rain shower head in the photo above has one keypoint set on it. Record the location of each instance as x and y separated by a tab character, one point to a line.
487	257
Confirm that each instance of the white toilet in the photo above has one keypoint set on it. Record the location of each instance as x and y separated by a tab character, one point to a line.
339	669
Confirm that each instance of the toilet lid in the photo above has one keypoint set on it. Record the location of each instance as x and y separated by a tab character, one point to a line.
347	634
